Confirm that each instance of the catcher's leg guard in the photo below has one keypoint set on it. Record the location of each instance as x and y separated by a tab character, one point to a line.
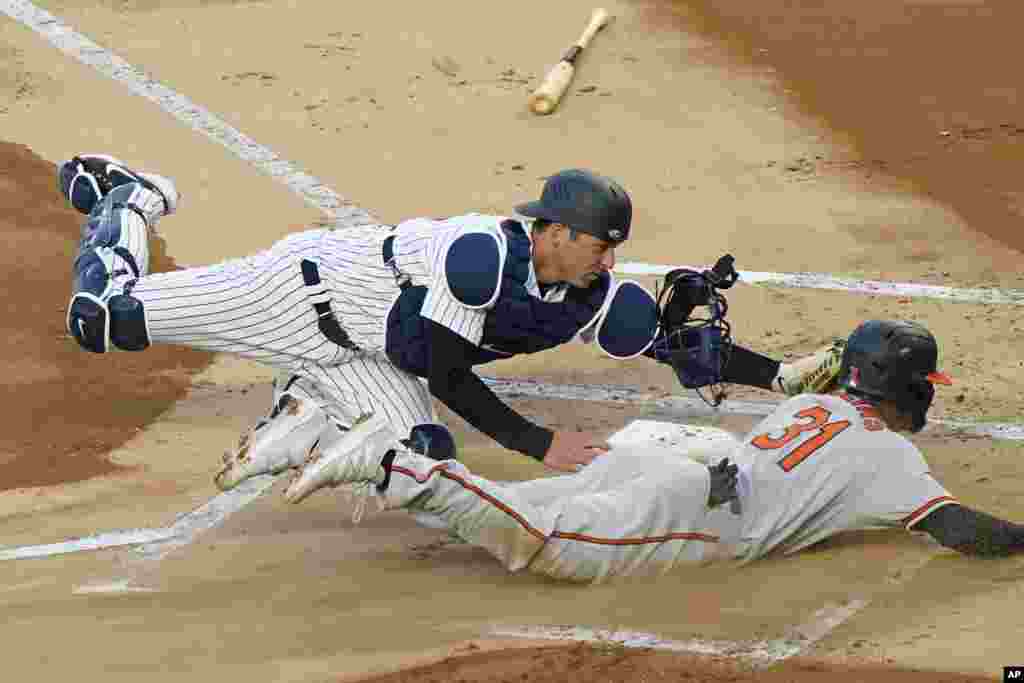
97	325
113	254
89	322
129	330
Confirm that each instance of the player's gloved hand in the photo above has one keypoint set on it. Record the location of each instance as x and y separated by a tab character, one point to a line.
570	451
723	483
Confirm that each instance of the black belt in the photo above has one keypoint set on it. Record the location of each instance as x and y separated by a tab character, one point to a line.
387	252
321	300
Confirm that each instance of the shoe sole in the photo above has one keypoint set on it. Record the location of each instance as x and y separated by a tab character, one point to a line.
240	466
314	475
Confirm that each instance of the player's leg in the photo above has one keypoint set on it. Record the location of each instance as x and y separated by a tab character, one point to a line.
258	307
122	206
607	471
649	522
370	384
318	404
281	440
646	523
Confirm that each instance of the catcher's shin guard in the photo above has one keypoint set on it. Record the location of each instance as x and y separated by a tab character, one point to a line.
97	325
113	254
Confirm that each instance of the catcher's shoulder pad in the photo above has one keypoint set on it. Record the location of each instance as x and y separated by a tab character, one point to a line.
473	268
627	322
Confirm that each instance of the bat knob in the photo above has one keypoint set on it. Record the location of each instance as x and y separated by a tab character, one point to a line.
541	105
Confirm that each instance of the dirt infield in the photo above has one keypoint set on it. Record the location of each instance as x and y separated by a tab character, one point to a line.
65	410
878	139
611	664
925	90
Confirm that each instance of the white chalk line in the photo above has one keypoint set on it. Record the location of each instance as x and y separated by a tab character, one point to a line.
76	45
153	544
761	653
679	406
877	287
344	213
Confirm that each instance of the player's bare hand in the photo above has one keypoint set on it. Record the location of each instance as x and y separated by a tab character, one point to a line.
570	451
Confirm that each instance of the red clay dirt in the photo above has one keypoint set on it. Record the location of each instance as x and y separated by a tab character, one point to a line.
65	409
927	90
589	664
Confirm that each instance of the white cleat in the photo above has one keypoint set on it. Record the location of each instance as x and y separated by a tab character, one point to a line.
277	444
354	458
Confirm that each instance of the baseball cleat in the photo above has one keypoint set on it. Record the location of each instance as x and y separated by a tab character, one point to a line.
84	180
354	458
279	443
815	374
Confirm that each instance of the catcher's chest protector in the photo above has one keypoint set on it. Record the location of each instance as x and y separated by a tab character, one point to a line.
518	322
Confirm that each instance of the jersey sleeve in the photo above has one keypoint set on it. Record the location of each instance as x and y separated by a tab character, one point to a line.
902	491
466	278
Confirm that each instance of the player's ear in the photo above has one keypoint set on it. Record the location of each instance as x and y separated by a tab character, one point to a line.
558	233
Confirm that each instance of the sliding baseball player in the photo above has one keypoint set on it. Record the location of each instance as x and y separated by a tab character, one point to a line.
818	465
380	319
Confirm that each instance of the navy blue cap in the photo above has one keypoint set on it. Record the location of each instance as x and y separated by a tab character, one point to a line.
584	201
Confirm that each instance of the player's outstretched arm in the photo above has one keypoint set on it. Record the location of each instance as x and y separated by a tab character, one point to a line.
452	381
973	533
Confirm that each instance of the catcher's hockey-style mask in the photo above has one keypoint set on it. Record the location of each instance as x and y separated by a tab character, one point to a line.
698	349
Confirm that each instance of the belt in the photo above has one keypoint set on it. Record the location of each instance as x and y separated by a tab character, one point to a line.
321	300
387	252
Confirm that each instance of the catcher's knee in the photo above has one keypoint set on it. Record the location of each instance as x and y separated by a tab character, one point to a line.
96	325
432	440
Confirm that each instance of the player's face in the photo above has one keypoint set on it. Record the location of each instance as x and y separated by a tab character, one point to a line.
584	258
895	419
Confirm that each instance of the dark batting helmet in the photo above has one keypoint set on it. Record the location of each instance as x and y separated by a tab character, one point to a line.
893	360
584	201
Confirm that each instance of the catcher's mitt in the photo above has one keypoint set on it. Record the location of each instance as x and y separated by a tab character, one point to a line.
697	348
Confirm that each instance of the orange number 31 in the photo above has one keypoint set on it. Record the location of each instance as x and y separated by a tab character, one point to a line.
809	420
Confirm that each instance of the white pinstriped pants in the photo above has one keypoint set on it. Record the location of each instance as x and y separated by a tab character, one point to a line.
632	511
256	307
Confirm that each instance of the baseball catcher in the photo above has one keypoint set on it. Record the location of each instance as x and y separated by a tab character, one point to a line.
380	319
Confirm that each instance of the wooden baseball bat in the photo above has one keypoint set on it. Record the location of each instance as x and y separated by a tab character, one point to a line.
549	93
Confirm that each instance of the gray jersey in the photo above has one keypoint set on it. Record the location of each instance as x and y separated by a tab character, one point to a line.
820	465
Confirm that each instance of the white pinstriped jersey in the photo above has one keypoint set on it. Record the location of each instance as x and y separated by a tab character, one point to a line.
259	307
820	465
